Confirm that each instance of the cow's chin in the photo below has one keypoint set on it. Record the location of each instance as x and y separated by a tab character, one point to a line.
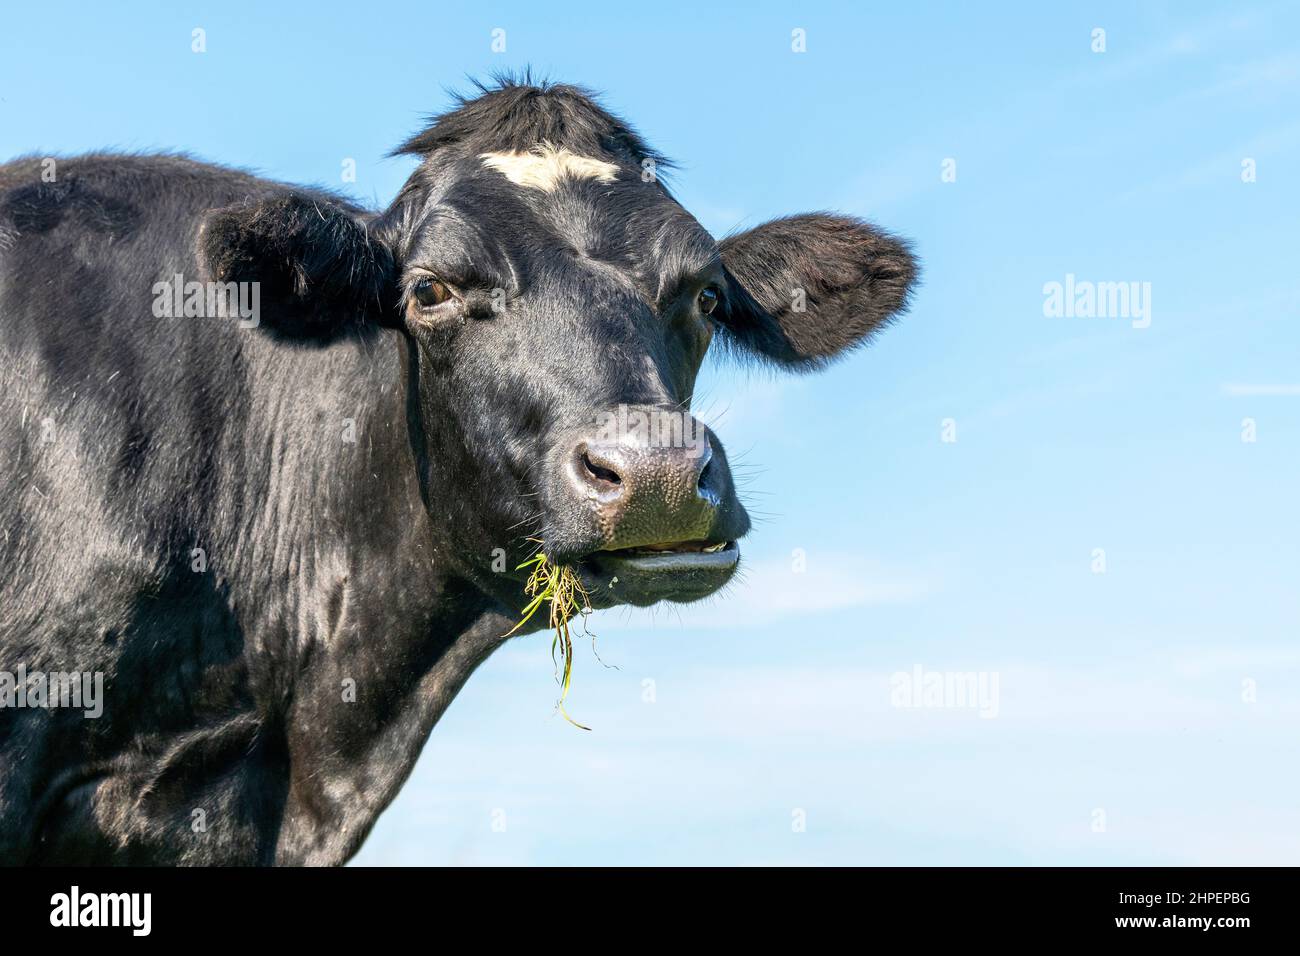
647	576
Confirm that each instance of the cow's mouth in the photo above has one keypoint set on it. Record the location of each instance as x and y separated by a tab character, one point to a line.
679	571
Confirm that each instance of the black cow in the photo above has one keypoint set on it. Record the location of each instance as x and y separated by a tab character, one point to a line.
283	529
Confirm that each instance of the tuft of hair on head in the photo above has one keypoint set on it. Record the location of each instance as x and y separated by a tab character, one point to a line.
513	113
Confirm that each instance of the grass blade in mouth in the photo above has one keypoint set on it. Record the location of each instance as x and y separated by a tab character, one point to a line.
560	586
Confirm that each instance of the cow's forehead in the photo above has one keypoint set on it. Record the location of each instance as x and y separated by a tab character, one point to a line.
522	202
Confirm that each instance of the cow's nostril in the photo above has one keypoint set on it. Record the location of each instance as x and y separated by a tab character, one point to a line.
705	479
600	472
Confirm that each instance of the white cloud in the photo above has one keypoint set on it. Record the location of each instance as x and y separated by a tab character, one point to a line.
1162	742
1237	389
1272	76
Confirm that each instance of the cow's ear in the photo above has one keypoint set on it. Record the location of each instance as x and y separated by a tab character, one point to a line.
805	289
320	267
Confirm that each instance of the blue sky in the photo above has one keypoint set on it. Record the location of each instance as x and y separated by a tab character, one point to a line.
1149	714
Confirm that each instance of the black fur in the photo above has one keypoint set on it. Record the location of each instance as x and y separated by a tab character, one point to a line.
131	443
516	114
854	279
317	263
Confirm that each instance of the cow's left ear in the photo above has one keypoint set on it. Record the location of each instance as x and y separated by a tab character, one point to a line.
319	266
805	289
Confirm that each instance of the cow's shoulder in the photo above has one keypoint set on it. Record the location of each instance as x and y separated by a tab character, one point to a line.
122	196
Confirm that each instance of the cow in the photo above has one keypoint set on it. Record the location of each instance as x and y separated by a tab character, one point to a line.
271	461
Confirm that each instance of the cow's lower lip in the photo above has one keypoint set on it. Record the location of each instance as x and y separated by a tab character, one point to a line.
644	576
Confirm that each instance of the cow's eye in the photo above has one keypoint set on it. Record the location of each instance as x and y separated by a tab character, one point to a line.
429	292
709	300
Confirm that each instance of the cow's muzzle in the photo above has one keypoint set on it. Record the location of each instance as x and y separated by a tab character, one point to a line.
660	499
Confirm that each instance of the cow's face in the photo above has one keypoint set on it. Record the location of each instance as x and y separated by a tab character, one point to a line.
564	307
561	303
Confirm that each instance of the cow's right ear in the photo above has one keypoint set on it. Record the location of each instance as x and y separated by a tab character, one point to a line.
319	267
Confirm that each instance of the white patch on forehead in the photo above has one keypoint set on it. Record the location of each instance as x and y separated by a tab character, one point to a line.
544	166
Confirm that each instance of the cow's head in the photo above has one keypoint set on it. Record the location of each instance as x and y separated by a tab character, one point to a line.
561	302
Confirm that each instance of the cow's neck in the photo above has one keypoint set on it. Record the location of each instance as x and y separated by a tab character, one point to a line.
392	631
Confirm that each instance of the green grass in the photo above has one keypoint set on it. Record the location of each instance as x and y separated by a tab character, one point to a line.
558	585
